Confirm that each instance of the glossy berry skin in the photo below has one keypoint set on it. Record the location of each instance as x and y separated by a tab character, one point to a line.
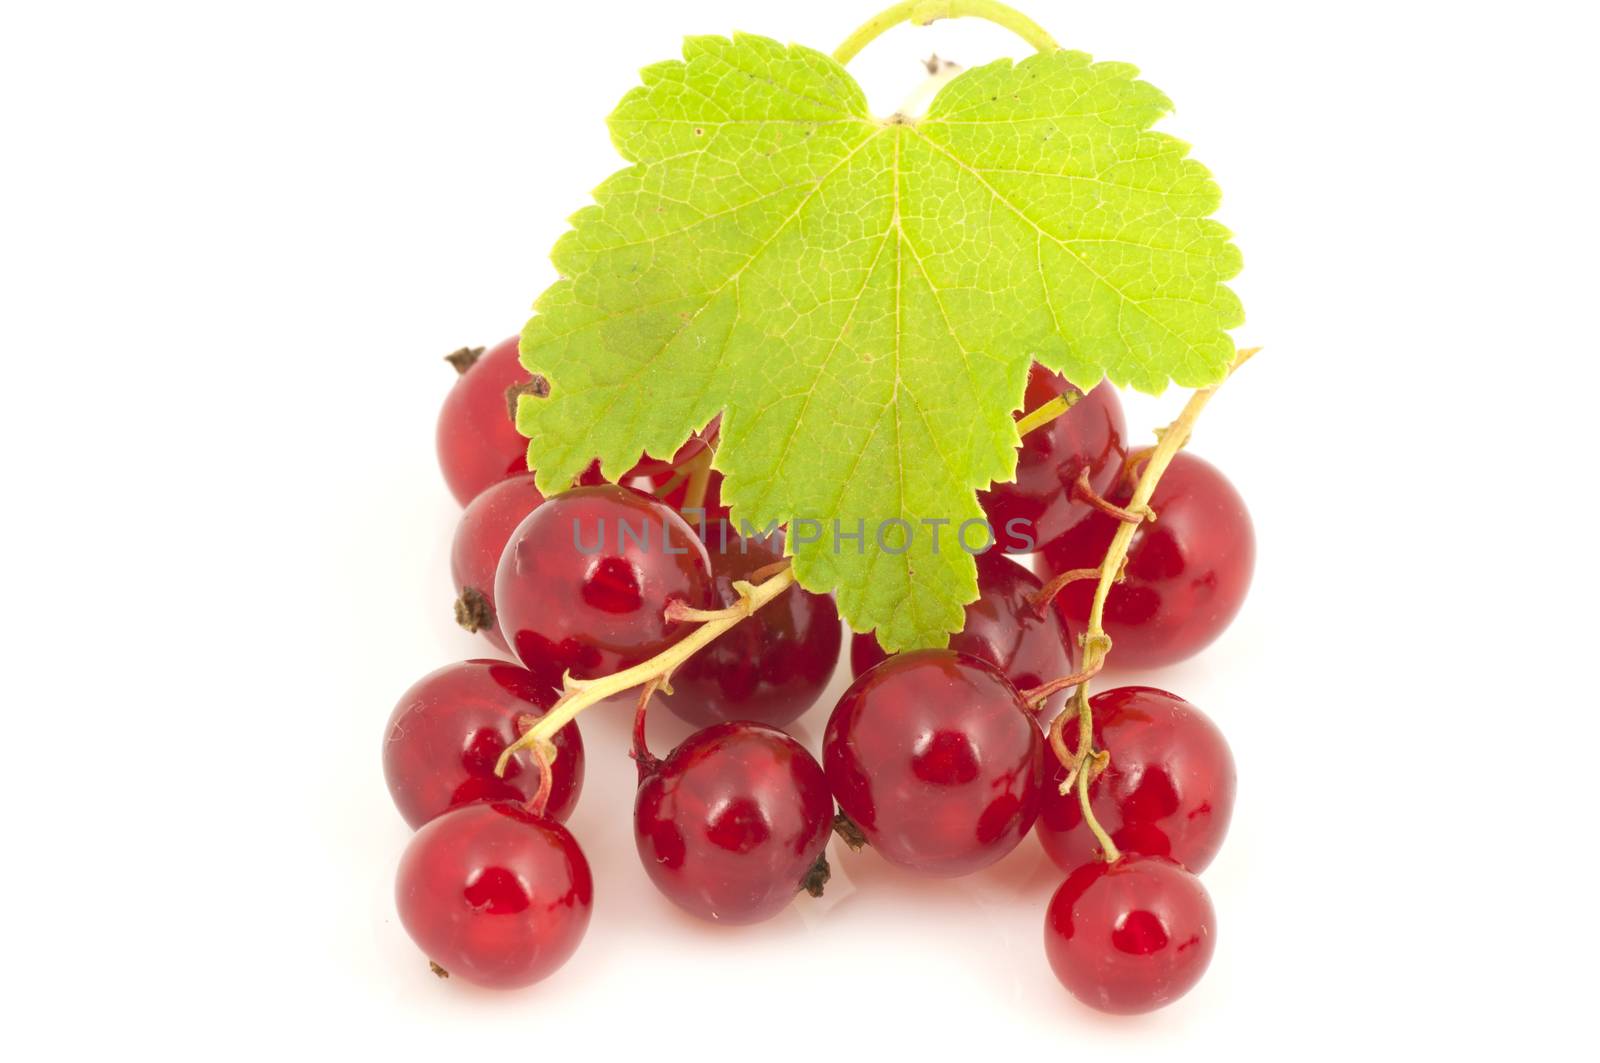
731	822
937	760
773	666
1168	790
603	610
481	536
1027	645
1089	435
494	894
1187	572
477	436
1132	936
449	729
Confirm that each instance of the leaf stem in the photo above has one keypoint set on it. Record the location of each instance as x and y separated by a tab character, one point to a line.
580	694
927	12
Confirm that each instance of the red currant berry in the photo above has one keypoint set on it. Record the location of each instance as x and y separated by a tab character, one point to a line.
1131	936
1168	790
732	822
584	583
937	760
477	436
773	666
1187	571
1089	435
450	728
1002	628
494	894
481	536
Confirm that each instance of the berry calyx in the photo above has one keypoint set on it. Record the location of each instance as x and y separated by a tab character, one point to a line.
585	581
731	825
494	894
1003	627
1132	936
1167	789
477	437
448	731
463	358
481	536
773	666
936	759
1186	573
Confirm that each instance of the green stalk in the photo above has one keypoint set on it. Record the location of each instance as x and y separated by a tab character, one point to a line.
927	12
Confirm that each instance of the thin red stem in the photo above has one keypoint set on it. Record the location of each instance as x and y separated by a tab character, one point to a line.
646	761
1041	598
1034	695
1083	492
1084	758
1058	738
539	753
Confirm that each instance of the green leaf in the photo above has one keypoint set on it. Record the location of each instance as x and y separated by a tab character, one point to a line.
860	298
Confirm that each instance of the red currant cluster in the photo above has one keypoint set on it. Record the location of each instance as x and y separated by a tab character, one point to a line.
941	760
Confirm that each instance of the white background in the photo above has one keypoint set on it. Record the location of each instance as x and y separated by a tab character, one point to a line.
236	240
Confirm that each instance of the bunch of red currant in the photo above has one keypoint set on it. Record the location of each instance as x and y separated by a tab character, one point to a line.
941	760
